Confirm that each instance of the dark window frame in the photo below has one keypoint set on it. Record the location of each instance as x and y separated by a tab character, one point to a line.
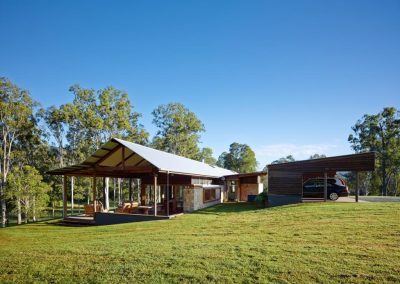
212	195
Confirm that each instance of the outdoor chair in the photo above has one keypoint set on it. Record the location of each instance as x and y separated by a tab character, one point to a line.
89	209
127	207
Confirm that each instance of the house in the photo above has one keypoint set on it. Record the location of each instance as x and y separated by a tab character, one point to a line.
168	184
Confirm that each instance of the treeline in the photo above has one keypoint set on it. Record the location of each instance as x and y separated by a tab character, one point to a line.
34	140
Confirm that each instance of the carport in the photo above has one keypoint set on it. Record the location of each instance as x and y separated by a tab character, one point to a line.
285	181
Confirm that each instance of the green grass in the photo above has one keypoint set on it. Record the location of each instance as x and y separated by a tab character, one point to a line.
308	243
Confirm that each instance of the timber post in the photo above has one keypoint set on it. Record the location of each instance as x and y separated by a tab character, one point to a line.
357	186
94	194
167	197
65	202
325	186
155	195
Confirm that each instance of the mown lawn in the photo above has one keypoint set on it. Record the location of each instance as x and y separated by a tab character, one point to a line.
328	243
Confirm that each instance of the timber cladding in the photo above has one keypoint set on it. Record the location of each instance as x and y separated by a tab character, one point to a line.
285	183
354	162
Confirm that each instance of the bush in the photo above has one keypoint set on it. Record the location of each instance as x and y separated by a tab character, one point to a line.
261	197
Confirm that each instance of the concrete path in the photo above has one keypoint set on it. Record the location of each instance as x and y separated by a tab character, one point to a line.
360	199
349	199
380	198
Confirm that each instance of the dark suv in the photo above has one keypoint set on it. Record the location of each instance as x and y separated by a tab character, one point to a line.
314	188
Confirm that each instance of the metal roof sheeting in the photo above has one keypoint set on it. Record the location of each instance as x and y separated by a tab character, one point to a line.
108	155
173	163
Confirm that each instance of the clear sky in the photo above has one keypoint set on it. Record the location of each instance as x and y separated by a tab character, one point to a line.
285	77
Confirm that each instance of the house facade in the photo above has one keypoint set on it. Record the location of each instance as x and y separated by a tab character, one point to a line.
160	183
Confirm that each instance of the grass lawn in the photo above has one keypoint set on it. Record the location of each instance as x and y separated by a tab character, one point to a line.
314	242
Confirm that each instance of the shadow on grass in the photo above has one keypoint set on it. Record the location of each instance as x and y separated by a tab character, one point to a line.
234	207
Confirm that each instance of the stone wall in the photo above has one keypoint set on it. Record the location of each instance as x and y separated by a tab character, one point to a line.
188	197
193	199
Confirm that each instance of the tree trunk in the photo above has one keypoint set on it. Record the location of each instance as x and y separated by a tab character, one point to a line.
384	179
106	193
3	205
114	190
34	210
72	195
26	211
52	208
19	221
138	184
119	191
130	190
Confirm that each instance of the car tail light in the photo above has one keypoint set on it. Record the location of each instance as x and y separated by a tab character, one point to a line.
346	189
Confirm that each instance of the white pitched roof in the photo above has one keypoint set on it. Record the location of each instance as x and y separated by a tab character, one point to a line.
173	163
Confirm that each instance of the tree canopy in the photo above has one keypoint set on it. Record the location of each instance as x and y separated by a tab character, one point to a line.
317	156
240	158
286	159
380	133
178	130
206	156
17	125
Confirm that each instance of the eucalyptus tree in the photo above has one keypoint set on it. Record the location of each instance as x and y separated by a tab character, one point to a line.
56	121
286	159
16	111
27	189
178	130
240	158
96	116
206	156
317	156
380	133
119	121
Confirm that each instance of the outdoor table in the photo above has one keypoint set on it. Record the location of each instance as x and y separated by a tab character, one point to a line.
145	209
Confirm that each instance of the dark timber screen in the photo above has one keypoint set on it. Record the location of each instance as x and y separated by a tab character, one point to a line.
285	181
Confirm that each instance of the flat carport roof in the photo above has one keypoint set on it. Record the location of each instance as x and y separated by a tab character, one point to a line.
285	180
354	162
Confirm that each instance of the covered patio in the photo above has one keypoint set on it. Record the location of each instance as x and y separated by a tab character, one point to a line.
165	184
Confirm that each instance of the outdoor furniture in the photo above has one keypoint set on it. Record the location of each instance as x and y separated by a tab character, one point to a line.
127	207
144	209
89	209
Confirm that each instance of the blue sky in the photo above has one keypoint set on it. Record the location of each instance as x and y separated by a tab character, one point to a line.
285	77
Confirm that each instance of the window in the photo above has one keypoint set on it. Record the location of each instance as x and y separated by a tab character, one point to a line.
211	194
201	181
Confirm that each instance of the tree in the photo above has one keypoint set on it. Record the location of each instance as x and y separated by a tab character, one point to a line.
380	133
28	191
178	130
317	156
286	159
206	156
94	117
240	158
56	119
119	119
16	111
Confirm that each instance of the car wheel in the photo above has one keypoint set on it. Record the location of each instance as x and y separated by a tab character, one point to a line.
333	196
